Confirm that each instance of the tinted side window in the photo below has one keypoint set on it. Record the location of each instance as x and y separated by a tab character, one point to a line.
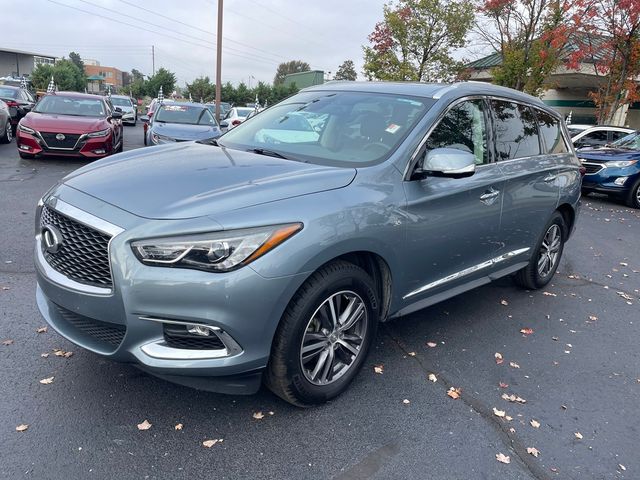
551	132
599	136
516	131
463	128
618	135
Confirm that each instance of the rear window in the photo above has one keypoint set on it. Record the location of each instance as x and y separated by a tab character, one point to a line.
551	133
8	92
184	114
516	131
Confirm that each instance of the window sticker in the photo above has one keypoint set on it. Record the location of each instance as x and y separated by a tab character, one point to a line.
392	128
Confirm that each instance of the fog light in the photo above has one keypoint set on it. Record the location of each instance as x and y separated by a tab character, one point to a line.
25	147
100	151
620	180
200	330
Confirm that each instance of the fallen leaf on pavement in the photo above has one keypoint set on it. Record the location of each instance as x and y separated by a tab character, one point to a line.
625	295
22	427
179	426
535	423
578	435
378	368
549	294
514	365
504	302
622	467
67	354
46	381
503	458
406	401
499	413
526	331
513	398
412	354
7	342
258	415
432	377
44	355
211	443
432	344
593	318
41	330
454	393
533	451
498	357
624	264
503	385
144	425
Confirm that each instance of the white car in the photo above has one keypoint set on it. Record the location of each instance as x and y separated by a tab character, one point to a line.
235	117
599	136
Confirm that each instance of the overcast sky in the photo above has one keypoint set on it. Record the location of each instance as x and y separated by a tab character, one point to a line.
258	34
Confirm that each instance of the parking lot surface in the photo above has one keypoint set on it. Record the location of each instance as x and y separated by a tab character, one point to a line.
569	360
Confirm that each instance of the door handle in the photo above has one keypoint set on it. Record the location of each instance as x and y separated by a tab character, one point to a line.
489	195
550	178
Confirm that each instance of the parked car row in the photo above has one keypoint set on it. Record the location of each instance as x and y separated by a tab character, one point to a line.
19	100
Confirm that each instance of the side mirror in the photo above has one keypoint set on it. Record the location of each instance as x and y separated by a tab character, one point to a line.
224	125
144	119
448	162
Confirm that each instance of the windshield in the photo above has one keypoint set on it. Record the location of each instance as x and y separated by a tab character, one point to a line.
8	92
243	112
335	128
120	102
631	141
184	114
81	107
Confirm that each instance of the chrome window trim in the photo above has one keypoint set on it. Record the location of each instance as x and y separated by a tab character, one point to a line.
406	176
88	220
467	271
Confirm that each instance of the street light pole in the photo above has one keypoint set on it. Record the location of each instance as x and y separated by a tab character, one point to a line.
219	61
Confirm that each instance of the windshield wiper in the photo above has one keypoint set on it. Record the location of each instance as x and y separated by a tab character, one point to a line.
269	153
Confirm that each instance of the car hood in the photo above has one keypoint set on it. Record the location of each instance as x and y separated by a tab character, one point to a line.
185	132
607	154
190	180
44	122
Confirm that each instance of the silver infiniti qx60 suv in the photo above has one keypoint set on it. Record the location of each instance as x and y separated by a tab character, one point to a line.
272	254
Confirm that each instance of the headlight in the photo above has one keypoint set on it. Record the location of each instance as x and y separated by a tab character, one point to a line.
101	133
620	164
155	138
214	252
24	129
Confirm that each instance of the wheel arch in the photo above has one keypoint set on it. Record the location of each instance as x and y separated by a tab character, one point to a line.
569	215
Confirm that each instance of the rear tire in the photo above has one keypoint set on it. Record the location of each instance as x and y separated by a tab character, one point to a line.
310	363
7	133
546	257
633	198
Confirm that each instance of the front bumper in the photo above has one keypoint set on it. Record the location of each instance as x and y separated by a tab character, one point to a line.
241	305
608	180
85	147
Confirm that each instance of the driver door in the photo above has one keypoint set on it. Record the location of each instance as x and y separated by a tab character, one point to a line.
454	223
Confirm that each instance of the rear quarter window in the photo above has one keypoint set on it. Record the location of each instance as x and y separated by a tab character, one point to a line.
551	133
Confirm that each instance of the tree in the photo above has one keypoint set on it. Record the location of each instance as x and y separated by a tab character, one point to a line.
287	68
164	78
416	38
201	89
136	75
530	36
610	41
77	61
66	75
346	71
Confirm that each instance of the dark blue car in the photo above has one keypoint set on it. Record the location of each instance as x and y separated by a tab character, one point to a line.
614	170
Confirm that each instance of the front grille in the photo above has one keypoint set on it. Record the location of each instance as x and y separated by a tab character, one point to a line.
108	334
84	254
177	336
592	167
69	141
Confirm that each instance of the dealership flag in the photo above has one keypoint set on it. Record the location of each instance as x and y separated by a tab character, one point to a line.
23	83
52	86
190	99
160	95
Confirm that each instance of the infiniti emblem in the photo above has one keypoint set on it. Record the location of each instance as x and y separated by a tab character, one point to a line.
60	136
52	238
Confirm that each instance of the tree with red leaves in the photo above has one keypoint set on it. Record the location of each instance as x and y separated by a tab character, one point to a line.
611	43
530	36
415	40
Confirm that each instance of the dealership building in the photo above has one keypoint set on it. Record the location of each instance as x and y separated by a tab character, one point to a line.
16	63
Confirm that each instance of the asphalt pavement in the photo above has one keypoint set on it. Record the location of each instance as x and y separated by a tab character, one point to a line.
576	367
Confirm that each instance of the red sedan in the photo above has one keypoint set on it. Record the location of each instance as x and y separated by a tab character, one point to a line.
71	124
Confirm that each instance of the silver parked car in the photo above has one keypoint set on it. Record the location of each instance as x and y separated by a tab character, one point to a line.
125	105
272	254
6	129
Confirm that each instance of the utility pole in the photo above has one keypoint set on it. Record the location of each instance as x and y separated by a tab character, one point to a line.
219	61
153	59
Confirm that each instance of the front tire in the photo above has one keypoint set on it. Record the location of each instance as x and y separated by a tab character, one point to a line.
324	336
633	199
547	254
7	134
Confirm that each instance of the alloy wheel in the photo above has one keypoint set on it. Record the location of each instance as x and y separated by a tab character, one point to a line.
333	338
9	131
549	250
638	195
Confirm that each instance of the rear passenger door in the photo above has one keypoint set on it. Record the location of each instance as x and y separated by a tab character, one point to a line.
532	186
